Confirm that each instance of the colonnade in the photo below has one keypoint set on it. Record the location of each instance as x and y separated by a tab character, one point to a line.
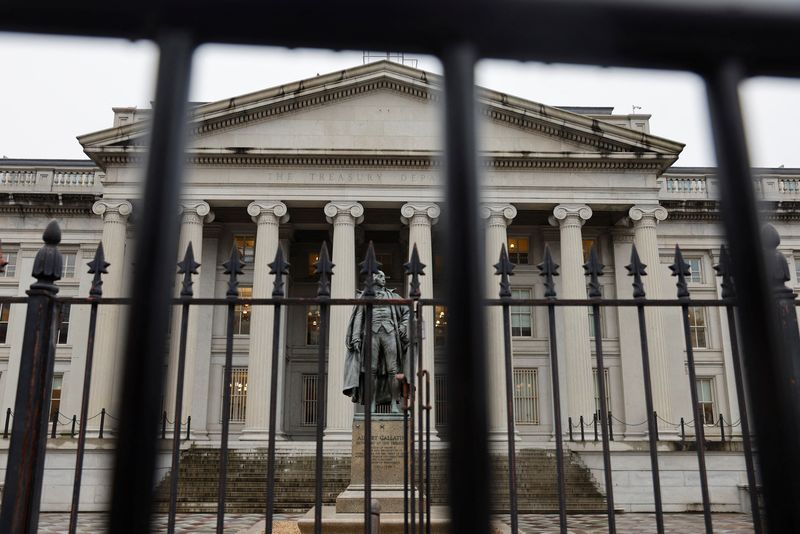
345	217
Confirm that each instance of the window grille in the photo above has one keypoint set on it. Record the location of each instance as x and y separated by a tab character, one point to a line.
440	384
697	327
705	399
521	316
526	396
606	375
238	394
309	403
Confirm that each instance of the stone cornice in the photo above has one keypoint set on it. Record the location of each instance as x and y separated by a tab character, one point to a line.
508	161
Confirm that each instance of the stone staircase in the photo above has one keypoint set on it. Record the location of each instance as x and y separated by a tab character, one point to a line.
294	484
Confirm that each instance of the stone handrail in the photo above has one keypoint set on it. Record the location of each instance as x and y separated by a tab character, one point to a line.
701	187
50	180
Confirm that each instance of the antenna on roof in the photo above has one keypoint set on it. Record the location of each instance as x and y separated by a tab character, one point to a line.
394	57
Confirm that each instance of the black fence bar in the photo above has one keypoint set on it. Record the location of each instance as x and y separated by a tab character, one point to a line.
417	325
73	426
153	279
637	269
7	423
681	269
102	423
428	409
279	267
729	291
594	425
54	423
98	266
549	269
583	433
405	407
187	268
772	378
233	268
164	425
323	268
26	453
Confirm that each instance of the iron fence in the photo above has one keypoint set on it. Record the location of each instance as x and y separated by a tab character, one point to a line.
722	45
25	473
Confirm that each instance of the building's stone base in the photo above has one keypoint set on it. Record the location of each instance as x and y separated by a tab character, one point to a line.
391	499
347	523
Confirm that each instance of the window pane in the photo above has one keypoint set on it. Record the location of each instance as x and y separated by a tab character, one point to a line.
312	325
526	396
55	395
696	270
439	325
246	244
242	313
521	319
313	258
11	267
69	265
518	248
4	314
63	324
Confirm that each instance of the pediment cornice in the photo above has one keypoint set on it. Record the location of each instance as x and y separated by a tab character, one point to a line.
238	112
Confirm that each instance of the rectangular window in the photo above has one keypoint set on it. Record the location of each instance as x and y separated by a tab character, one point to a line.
246	245
440	383
705	399
242	313
521	318
11	267
69	264
439	326
695	270
597	391
63	324
5	311
238	394
587	248
697	327
312	324
310	404
55	395
518	248
526	396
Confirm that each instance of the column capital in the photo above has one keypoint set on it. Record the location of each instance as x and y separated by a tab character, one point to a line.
260	209
570	213
425	212
345	210
196	211
647	214
119	209
497	212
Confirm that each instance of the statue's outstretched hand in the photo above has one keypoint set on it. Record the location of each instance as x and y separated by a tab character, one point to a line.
356	345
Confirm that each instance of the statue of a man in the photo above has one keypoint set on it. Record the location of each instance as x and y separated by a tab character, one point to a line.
389	350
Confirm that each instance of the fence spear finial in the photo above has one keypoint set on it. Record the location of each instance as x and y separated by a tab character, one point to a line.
723	269
636	269
369	268
594	269
548	268
504	268
681	269
187	268
98	267
324	268
414	268
278	267
233	268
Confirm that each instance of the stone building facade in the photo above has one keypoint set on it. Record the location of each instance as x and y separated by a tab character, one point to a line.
352	157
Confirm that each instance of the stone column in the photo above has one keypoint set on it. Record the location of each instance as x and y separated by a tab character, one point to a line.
498	217
108	332
268	215
193	215
420	217
578	358
344	216
645	218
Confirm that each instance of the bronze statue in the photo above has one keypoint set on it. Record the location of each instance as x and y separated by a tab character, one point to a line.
389	348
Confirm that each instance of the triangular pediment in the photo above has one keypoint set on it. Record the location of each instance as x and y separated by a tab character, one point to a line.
383	108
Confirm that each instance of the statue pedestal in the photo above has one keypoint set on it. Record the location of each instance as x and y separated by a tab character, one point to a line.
387	466
387	484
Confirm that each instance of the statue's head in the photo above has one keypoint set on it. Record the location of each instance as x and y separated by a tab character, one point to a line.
380	279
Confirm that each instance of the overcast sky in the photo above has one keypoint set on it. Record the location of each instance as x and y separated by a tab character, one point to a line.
54	89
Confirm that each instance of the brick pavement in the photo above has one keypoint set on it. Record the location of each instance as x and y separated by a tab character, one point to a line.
633	523
94	523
